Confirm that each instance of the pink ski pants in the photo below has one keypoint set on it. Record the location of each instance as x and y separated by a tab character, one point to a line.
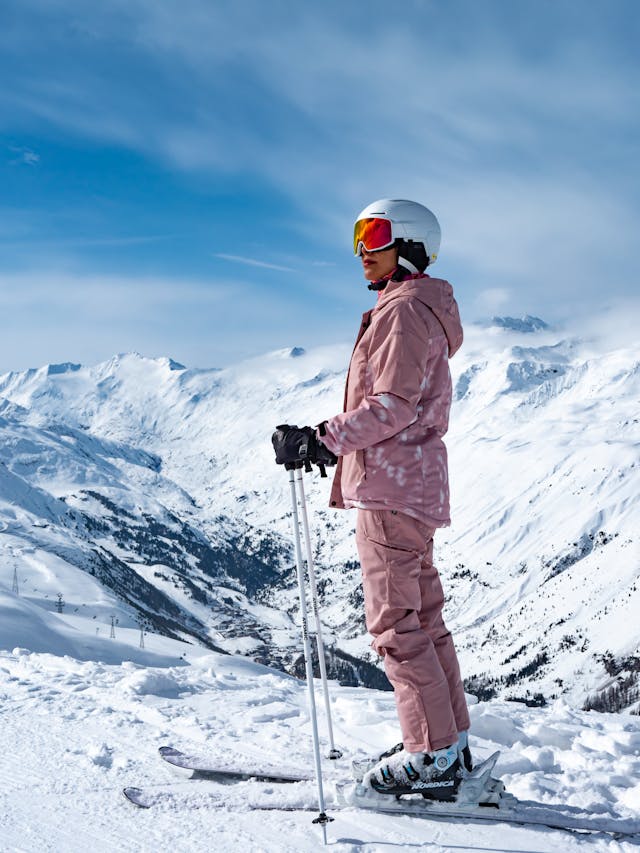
403	602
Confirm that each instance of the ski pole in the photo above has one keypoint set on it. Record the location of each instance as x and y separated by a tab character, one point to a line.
322	818
333	752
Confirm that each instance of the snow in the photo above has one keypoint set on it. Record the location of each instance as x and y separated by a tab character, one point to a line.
82	715
75	732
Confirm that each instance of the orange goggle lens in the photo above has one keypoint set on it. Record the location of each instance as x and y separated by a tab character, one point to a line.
372	234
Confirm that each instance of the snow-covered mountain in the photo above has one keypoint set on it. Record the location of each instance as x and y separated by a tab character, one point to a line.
156	485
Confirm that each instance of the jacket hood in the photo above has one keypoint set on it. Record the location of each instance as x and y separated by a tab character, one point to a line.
437	295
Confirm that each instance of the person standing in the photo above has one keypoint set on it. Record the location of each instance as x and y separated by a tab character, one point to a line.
392	468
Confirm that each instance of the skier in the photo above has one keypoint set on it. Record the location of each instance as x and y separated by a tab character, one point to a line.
392	467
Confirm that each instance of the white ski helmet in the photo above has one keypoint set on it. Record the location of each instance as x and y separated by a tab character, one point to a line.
412	223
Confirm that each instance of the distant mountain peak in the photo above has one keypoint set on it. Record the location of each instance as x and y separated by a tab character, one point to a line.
65	367
133	357
526	324
289	352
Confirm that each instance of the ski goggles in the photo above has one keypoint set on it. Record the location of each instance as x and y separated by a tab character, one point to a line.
372	235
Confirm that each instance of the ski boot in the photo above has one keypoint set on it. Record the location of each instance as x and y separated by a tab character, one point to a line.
435	775
360	766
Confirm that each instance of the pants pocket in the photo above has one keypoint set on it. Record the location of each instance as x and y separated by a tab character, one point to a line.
393	529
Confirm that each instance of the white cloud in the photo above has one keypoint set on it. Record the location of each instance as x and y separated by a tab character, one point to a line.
504	141
612	326
25	156
436	110
251	262
492	299
53	317
30	158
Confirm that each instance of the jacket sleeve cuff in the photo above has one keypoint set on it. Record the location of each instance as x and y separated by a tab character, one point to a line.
324	436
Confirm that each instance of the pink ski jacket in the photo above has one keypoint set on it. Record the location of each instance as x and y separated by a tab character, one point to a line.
396	406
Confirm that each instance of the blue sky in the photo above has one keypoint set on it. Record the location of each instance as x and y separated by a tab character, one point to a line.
181	178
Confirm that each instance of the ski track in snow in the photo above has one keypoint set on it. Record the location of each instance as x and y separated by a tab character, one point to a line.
74	734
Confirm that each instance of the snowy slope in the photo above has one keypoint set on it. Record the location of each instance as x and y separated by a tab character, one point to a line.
167	474
74	733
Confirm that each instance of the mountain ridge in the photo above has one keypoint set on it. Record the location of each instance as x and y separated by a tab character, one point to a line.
173	468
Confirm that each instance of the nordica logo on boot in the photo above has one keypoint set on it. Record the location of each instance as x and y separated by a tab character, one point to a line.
447	783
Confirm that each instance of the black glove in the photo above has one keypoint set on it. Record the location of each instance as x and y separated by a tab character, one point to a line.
298	446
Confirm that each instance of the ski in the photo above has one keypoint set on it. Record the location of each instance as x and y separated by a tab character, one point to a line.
514	812
220	768
508	810
247	795
256	793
